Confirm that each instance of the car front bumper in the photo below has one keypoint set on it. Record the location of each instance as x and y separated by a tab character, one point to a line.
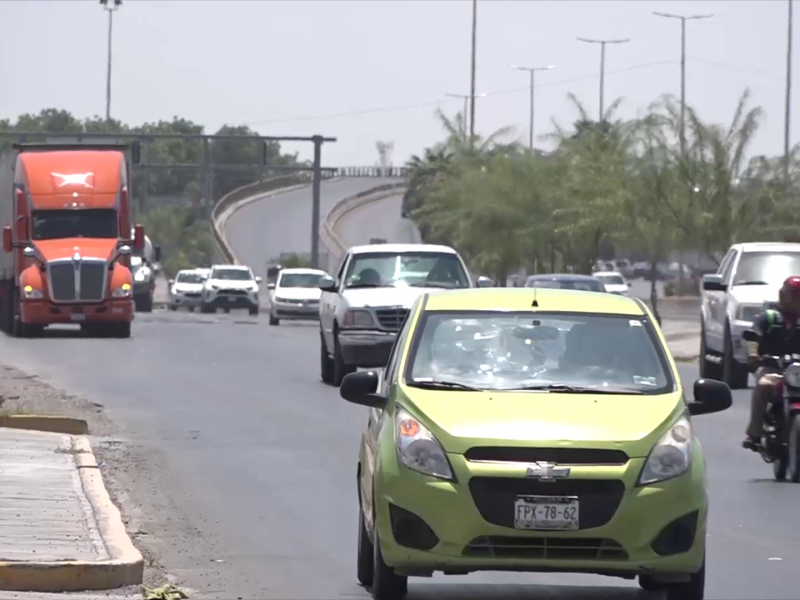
295	310
366	348
466	520
223	300
187	299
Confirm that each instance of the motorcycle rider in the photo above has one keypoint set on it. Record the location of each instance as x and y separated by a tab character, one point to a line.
779	332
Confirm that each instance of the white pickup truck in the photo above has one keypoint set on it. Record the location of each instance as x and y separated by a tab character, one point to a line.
362	310
748	278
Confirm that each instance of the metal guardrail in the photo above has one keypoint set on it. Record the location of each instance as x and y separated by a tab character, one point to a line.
372	171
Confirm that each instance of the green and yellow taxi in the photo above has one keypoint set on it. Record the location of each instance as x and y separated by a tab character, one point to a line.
531	430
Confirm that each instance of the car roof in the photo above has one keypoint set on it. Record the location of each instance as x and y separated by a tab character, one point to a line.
521	299
237	267
401	248
767	247
561	277
607	274
303	271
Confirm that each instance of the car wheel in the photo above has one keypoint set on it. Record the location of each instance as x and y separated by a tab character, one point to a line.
340	368
734	374
694	589
708	369
386	584
364	564
207	309
274	320
325	362
253	311
173	307
648	584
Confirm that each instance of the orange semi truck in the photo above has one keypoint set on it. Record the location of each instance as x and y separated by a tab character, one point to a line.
66	211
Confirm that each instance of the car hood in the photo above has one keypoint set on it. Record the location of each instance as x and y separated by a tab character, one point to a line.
69	247
388	296
230	284
187	287
462	420
298	293
754	294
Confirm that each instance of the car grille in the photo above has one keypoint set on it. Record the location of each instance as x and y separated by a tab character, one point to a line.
560	456
91	277
545	548
494	497
234	292
391	318
192	294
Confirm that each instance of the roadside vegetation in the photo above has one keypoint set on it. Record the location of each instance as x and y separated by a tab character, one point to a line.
173	202
607	189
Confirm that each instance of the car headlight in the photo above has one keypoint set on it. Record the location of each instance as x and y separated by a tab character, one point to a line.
278	300
358	318
671	456
123	291
748	312
418	449
792	375
31	293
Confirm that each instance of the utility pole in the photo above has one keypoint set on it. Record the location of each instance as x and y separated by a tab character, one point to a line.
788	108
111	6
683	20
466	98
532	72
472	74
603	67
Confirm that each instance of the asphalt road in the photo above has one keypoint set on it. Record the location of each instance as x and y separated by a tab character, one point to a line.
259	460
378	220
264	229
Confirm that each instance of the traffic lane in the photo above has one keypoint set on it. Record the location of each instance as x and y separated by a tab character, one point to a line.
379	219
263	229
753	546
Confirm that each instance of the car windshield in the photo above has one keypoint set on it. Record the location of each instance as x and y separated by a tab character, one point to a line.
586	285
231	274
766	267
299	280
507	351
415	269
83	223
611	279
190	278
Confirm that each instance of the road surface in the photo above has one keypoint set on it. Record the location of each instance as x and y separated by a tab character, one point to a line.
379	219
243	463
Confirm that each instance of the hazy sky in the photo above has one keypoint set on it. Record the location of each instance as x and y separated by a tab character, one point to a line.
371	70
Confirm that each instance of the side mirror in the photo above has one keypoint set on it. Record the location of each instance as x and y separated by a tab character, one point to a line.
748	335
361	388
138	237
484	282
327	284
8	239
713	283
157	254
710	396
258	279
270	286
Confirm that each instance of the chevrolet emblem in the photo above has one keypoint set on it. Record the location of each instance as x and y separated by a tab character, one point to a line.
545	471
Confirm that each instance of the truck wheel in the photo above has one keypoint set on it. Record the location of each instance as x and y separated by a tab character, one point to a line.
733	373
708	369
325	361
120	330
340	368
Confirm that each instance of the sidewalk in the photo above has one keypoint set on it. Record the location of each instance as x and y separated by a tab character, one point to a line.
683	338
59	530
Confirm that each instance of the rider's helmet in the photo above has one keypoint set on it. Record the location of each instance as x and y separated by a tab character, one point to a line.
789	297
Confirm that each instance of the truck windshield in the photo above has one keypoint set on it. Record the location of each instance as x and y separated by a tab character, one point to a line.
82	223
403	269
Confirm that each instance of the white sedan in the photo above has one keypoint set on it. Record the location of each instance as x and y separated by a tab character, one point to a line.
295	295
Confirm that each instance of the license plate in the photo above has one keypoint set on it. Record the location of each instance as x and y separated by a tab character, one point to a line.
548	513
78	317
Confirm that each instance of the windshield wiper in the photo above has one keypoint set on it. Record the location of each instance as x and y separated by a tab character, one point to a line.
442	385
561	388
750	283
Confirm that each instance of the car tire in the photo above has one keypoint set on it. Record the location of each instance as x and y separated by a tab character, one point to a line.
173	307
254	311
366	553
734	374
325	362
386	584
340	368
120	330
694	589
648	584
708	369
207	309
274	320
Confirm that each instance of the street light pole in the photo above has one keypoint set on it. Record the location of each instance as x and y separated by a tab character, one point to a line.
603	66
788	108
111	6
683	20
532	72
472	73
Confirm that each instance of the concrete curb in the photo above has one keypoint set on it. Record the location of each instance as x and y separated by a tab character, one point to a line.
125	565
66	425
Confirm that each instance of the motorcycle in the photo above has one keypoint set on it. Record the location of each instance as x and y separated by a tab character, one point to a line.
780	440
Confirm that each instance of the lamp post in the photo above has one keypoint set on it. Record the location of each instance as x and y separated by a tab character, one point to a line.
532	72
788	106
603	65
110	6
472	71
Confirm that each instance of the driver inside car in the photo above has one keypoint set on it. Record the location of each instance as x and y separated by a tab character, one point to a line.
779	335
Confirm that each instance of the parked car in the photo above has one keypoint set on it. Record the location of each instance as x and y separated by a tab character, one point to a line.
295	295
566	281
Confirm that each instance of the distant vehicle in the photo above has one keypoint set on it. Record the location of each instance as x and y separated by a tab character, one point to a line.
614	282
749	276
228	287
566	281
186	289
295	295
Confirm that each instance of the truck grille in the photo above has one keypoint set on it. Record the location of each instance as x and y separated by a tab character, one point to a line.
91	276
391	318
